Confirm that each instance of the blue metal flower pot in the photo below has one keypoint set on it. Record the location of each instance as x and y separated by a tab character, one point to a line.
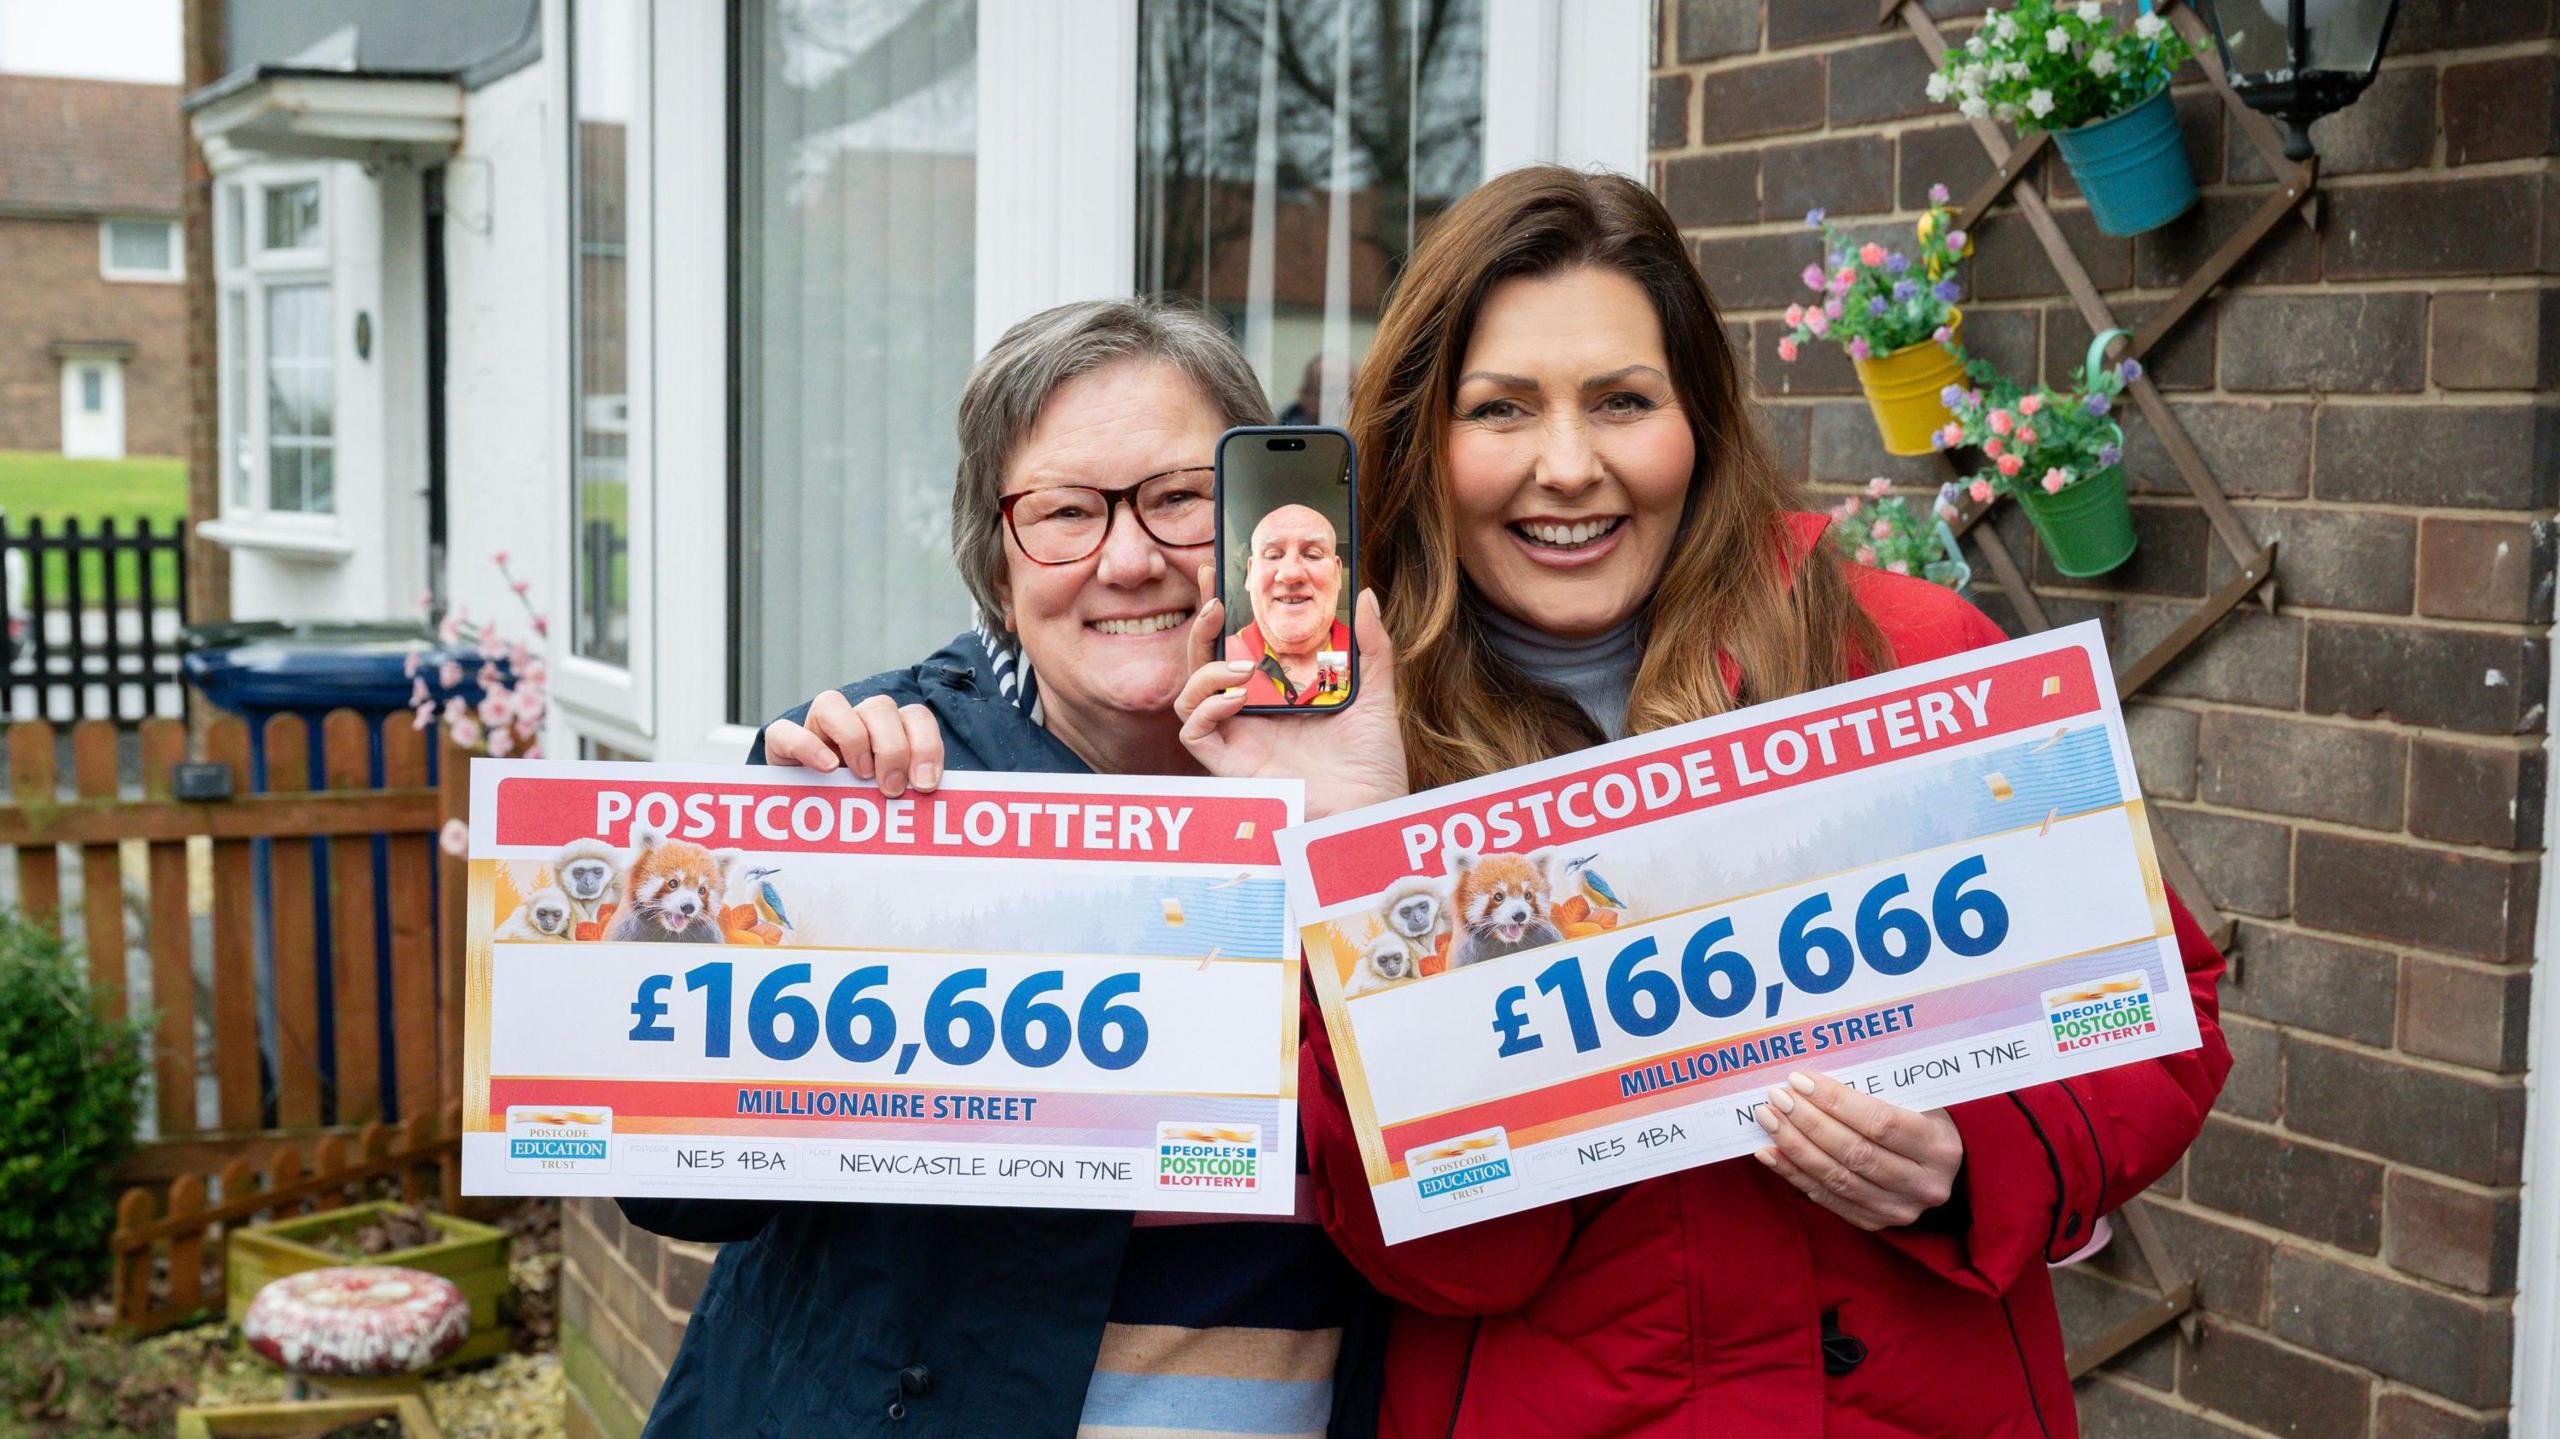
2132	167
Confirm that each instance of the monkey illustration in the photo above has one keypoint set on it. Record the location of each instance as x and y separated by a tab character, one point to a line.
588	873
544	916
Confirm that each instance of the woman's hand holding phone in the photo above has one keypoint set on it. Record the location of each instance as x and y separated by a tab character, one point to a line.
1356	758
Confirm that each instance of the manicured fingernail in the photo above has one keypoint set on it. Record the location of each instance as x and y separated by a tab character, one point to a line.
1786	1102
928	775
1768	1157
1240	667
1802	1082
1767	1120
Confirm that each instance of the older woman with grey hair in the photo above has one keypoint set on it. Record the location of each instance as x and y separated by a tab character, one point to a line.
1082	521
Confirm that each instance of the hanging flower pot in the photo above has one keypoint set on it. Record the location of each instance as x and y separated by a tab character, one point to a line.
2086	526
1896	315
2098	86
2132	167
2059	454
1904	388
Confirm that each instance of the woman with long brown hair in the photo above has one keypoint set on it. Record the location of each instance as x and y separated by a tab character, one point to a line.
1576	534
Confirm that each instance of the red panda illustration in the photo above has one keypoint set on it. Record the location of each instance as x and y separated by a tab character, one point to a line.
1503	903
673	892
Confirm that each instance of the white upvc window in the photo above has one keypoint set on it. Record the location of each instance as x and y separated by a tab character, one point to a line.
277	327
146	250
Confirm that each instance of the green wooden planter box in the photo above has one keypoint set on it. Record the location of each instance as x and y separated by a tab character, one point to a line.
473	1256
273	1421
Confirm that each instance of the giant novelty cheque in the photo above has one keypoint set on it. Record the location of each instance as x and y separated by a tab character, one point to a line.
747	982
1934	884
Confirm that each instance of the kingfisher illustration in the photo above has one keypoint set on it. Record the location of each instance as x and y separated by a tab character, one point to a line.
768	900
1594	889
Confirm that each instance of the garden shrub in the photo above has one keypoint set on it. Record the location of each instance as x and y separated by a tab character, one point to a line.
68	1097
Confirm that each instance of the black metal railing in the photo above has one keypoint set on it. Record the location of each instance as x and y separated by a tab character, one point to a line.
86	638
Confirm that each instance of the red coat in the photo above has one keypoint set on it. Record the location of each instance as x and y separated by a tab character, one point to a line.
1692	1304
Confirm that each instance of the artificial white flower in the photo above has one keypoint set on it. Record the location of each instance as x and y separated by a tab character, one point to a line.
1974	107
1937	88
2040	104
2102	63
2089	12
2056	40
2150	27
1977	47
2006	27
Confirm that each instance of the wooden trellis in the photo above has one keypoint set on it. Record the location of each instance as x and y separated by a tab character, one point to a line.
2293	190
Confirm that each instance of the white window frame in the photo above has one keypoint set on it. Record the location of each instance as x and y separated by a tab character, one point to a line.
245	268
618	704
1057	129
108	269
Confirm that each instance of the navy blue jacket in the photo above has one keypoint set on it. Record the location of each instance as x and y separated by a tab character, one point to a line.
826	1320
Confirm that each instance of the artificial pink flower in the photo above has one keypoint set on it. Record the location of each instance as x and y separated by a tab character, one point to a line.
1844	278
1943	335
1866	554
418	693
541	626
1979	491
1831	308
409	665
1952	435
497	710
1881	529
1871	254
533	751
1787	350
465	732
449	675
1948	512
1880	487
1859	349
1795	314
499	559
1900	567
501	741
2055	479
1819	322
2030	404
425	718
454	838
1845	510
1994	448
2026	437
2010	465
2001	422
1813	277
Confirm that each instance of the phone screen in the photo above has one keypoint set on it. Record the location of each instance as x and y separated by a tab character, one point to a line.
1286	553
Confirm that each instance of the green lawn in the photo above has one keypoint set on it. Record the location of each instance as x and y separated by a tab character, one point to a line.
35	485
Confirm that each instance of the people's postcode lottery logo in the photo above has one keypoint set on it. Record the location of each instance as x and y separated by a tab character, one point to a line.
1461	1168
1208	1156
559	1139
2107	1011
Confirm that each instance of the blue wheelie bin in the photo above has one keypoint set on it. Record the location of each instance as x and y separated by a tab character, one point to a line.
257	669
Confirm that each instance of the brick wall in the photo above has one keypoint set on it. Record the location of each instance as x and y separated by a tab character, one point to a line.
624	1297
50	290
2358	776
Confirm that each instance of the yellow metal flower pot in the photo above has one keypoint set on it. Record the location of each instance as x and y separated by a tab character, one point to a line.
1902	388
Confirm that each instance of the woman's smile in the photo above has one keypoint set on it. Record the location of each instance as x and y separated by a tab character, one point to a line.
1568	544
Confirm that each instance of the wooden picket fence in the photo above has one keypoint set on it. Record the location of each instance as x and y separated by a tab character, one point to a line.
166	1253
279	1086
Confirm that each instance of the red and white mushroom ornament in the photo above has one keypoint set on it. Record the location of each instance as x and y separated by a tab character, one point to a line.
357	1321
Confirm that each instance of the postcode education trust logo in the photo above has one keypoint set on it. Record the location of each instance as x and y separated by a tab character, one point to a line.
1198	1157
559	1139
2095	1015
1462	1167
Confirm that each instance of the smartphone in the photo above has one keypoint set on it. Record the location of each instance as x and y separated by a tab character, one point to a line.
1287	558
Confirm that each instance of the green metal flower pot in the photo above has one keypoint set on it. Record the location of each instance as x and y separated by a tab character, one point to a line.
2087	529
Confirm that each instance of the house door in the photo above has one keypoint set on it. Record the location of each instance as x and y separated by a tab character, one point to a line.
93	408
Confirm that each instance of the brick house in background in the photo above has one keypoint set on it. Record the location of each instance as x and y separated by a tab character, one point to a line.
93	357
2358	776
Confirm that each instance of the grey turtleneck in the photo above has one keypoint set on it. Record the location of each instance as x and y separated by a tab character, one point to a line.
1597	674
